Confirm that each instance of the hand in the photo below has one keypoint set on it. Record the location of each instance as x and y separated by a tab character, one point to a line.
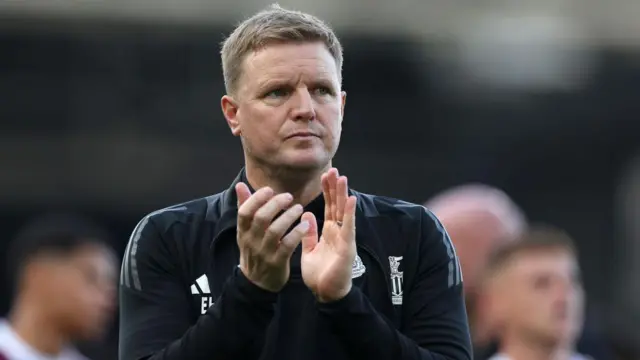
265	251
326	265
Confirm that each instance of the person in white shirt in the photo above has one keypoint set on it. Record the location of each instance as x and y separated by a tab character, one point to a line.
535	297
64	277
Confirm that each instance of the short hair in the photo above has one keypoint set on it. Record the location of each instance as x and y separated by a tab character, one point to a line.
537	238
58	234
274	25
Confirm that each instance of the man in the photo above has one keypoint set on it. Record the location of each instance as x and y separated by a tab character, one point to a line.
63	275
479	218
224	278
536	298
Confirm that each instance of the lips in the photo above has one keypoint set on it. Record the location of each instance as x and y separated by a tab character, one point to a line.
302	134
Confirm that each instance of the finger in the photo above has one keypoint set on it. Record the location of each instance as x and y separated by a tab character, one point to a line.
310	239
264	216
291	241
348	230
251	205
243	193
333	182
279	226
341	197
326	193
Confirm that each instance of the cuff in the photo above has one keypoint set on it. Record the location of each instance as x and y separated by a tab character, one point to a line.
250	291
349	303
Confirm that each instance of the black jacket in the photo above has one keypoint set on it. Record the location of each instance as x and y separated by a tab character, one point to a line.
183	297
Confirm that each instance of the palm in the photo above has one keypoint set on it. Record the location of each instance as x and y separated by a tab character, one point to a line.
326	266
326	262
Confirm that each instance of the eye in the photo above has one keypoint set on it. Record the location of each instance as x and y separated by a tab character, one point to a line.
277	93
323	90
542	282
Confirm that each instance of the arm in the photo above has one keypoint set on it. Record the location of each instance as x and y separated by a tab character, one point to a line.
435	323
155	321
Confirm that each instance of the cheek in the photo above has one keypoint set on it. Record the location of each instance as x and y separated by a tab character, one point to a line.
261	123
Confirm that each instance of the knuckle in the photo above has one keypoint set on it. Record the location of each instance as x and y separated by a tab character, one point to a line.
272	232
260	218
243	214
271	261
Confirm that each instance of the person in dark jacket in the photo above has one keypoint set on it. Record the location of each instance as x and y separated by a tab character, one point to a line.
289	262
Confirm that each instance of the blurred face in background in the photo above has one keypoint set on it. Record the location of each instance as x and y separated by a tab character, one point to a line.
538	296
474	234
78	290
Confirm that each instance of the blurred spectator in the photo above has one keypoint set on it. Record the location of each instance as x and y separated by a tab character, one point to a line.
63	275
535	297
479	218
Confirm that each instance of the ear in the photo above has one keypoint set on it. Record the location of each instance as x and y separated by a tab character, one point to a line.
230	112
343	98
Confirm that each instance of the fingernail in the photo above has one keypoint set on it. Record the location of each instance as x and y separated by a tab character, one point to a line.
304	225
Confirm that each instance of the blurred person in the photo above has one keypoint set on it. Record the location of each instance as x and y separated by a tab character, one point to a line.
63	276
479	218
223	277
535	297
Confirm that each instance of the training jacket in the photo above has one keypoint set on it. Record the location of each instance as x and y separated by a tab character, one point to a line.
183	297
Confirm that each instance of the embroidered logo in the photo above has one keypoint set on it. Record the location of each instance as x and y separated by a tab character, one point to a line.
396	280
358	268
201	287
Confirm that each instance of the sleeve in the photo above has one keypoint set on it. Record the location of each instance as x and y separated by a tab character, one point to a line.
436	324
155	317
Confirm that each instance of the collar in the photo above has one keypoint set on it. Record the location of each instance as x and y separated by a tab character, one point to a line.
229	206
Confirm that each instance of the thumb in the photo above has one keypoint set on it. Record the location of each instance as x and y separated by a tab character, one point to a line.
243	193
310	239
348	230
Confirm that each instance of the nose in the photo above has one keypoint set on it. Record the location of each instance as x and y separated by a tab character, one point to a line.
303	108
564	290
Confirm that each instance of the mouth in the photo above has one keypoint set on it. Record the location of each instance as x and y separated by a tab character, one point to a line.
302	135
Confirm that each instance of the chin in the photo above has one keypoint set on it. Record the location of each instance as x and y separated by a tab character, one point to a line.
306	160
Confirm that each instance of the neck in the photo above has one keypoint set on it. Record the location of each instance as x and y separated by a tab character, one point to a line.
304	185
32	325
521	349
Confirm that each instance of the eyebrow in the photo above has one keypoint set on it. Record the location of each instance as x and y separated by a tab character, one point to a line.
280	81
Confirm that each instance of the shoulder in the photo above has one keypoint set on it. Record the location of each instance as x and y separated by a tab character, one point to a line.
197	209
376	205
11	346
166	238
404	213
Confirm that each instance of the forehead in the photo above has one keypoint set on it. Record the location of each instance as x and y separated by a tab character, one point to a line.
539	262
289	61
95	257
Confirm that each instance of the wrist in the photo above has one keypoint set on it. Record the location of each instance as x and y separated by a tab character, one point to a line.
257	284
339	295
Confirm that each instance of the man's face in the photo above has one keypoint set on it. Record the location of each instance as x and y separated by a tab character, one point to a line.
542	296
288	106
80	291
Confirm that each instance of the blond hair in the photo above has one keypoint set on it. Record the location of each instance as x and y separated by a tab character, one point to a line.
274	25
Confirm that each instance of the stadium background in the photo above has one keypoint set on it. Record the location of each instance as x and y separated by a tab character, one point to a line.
112	108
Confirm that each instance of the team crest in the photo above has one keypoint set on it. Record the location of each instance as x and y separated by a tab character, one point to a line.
396	280
358	268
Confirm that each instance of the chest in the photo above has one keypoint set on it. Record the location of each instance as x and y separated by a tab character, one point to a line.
382	284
